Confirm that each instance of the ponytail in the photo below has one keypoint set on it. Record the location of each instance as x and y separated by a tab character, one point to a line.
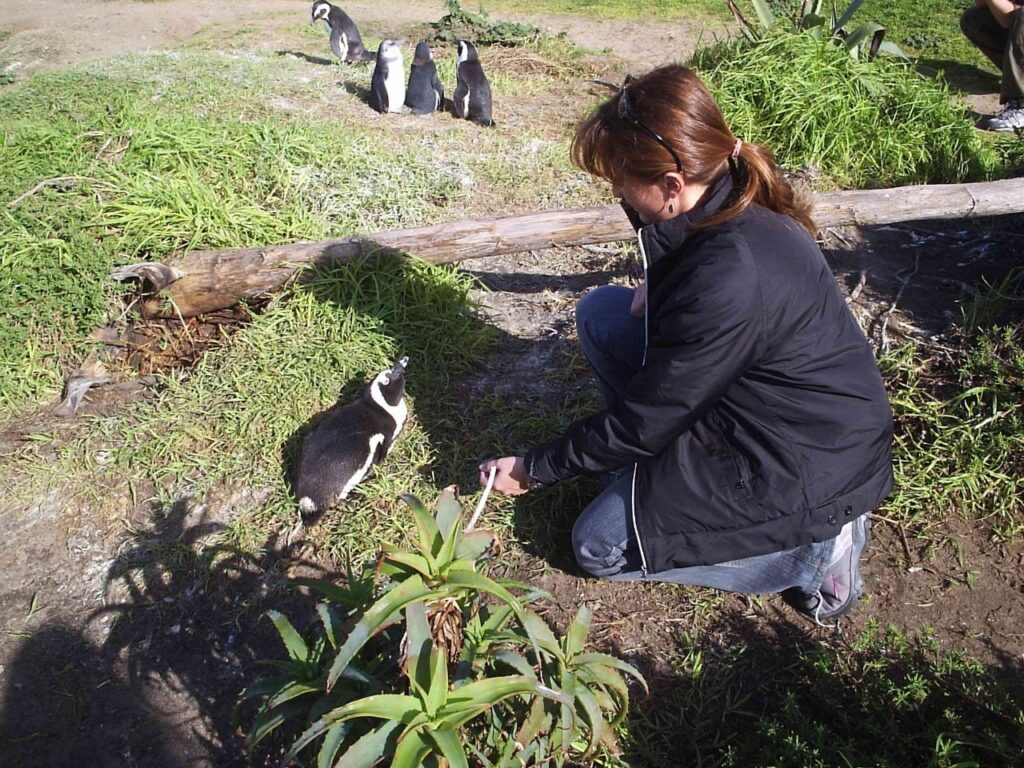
761	181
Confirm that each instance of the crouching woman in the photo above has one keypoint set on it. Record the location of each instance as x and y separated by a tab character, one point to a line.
746	432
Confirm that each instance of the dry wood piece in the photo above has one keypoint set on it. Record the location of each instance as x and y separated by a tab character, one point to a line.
217	279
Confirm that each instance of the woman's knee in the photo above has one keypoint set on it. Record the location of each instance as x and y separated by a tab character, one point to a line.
595	554
599	313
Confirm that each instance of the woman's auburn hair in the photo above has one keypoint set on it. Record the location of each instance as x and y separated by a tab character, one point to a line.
672	101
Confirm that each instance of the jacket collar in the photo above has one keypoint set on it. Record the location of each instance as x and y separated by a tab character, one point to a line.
665	237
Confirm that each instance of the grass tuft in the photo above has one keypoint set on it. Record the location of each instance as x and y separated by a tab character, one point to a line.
853	124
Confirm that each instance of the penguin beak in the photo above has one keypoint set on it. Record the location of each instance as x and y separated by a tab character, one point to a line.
399	368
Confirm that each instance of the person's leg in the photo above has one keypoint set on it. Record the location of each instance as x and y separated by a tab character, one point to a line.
604	543
1012	87
611	338
984	31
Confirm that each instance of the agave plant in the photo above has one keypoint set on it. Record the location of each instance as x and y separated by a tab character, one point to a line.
864	42
593	701
411	667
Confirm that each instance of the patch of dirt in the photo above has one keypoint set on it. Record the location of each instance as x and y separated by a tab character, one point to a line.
126	639
50	34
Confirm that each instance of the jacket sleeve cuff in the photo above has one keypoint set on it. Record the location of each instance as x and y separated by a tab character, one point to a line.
539	466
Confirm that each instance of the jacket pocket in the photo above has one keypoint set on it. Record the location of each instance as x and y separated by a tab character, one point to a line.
733	471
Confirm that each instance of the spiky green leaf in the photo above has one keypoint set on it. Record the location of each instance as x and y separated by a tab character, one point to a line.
764	13
372	747
449	513
409	561
588	659
412	748
269	719
333	740
847	15
421	647
472	544
386	706
293	691
447	740
468	701
437	693
514	660
347	597
293	642
426	527
408	591
579	628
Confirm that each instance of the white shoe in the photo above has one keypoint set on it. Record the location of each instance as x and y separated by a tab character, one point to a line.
1011	118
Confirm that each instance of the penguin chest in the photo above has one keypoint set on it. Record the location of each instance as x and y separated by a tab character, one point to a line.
394	85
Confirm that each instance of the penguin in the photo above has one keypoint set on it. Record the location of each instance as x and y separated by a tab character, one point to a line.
472	99
345	40
425	93
387	86
338	453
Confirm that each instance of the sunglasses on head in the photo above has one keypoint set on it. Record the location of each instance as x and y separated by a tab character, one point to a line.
626	115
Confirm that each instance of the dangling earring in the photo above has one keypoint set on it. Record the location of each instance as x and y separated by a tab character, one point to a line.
671	208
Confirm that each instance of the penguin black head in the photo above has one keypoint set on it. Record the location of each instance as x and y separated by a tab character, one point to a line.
467	51
389	385
422	55
321	9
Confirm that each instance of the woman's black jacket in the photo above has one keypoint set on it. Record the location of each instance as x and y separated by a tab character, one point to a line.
759	421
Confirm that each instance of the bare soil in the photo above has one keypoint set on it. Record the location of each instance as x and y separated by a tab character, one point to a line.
124	642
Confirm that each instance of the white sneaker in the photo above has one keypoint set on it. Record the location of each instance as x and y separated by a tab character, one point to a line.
1011	118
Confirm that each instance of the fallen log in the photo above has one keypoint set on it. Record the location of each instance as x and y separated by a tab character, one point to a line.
211	280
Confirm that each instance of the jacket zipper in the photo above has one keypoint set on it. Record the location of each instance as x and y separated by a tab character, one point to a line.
636	529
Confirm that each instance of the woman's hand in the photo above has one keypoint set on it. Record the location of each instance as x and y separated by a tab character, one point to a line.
510	479
639	305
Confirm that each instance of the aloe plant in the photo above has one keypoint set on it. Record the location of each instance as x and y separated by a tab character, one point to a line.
864	42
408	666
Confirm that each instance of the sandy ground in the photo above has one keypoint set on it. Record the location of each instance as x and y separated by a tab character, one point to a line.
50	34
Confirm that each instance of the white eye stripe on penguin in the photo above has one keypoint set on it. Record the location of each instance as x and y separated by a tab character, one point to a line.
339	452
472	98
345	39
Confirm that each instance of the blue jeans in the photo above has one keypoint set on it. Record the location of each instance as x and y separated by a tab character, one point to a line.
603	538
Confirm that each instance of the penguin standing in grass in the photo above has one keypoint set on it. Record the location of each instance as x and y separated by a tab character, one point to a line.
472	99
338	453
425	93
345	40
387	86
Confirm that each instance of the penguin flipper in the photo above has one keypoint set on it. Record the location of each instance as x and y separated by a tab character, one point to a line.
459	99
378	98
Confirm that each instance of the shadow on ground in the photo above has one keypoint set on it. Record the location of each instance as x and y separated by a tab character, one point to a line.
185	635
763	690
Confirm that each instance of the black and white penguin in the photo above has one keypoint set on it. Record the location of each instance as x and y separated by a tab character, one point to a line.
425	93
338	453
345	40
472	99
387	86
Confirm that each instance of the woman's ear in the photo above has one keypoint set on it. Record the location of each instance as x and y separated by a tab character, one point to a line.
672	184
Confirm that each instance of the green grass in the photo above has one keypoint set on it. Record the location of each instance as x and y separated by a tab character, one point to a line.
857	125
143	157
959	446
929	29
885	700
239	416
